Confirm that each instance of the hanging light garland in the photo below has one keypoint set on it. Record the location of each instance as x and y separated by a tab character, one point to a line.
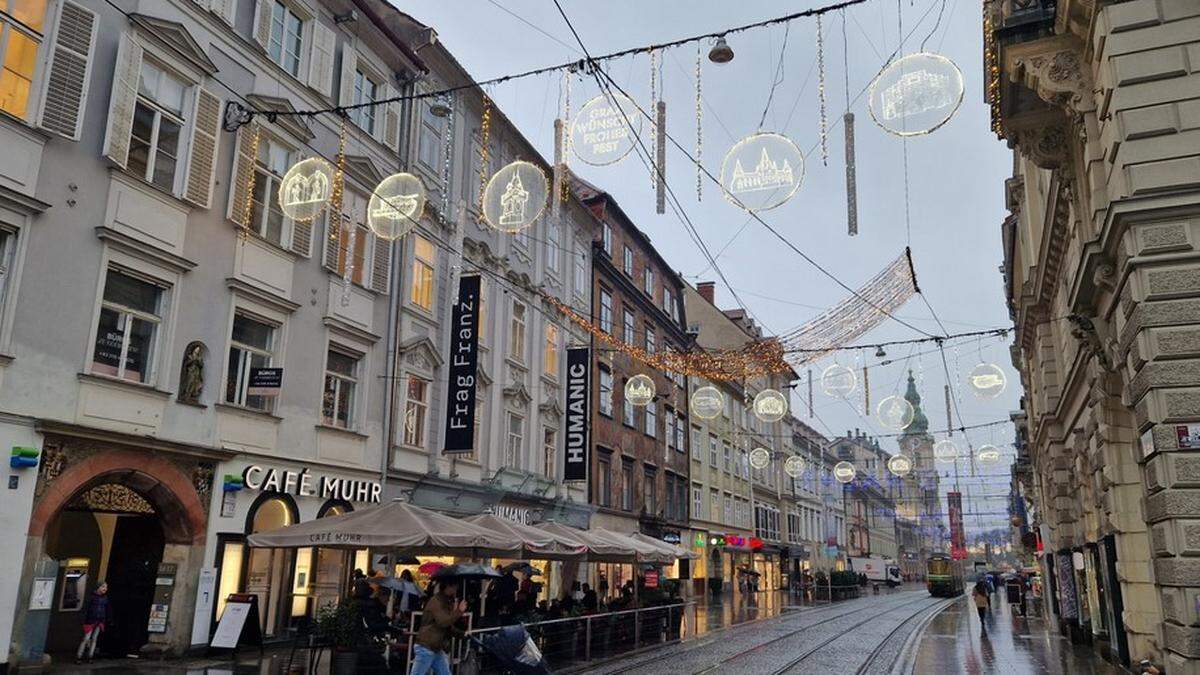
699	122
654	132
848	128
447	152
248	208
485	141
821	91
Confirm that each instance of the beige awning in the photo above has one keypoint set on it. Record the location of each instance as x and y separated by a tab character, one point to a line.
646	551
597	548
404	528
670	549
539	543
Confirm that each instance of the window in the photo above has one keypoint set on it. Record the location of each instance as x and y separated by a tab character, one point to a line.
714	505
669	425
516	438
549	453
287	29
581	278
712	449
628	264
366	90
604	479
628	410
424	261
728	453
728	509
341	381
362	235
680	426
157	124
21	27
606	238
127	334
650	341
651	419
8	251
651	490
697	499
273	161
416	411
550	357
697	443
648	281
251	345
606	391
606	311
429	145
627	485
516	332
668	302
743	463
553	247
628	330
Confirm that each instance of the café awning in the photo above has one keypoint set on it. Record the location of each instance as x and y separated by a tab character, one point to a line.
539	543
669	549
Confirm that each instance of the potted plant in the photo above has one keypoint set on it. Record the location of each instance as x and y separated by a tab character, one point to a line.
341	626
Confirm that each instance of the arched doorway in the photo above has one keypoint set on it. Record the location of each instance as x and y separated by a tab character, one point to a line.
268	569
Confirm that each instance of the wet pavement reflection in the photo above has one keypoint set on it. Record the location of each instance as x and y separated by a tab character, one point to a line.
1012	644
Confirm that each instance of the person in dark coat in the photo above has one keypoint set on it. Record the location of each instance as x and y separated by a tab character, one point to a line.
96	618
590	601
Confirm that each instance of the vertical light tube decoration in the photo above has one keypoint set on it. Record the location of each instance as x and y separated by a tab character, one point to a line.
810	388
447	152
851	178
821	91
557	185
654	132
564	190
699	129
348	271
660	183
485	126
866	390
949	419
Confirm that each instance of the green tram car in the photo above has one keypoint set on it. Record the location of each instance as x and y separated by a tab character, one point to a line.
943	576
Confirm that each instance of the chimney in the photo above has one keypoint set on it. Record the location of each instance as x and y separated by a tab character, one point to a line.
706	290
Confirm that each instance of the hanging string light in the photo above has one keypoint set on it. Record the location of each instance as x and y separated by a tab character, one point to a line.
564	190
654	132
248	208
821	91
660	184
485	128
447	152
848	128
699	121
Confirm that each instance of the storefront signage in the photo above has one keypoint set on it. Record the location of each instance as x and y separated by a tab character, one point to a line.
265	381
464	357
1187	435
579	362
651	578
734	540
516	514
671	537
304	484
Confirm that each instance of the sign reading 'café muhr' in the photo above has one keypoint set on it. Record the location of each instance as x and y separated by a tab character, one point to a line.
464	357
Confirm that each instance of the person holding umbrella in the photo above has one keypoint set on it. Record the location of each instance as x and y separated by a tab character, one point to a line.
442	611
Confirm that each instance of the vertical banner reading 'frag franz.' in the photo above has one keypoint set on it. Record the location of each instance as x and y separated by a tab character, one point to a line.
464	356
579	386
958	538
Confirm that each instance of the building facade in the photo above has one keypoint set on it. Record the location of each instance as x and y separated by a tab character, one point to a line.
919	503
816	521
869	499
1097	99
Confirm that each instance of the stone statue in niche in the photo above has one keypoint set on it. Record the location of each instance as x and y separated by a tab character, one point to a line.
191	379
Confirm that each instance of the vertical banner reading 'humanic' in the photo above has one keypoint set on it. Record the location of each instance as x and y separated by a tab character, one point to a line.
579	387
958	538
464	357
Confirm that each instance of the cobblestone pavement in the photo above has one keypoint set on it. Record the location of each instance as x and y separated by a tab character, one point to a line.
1013	645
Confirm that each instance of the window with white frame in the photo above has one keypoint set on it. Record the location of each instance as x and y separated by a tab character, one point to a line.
627	484
606	311
727	453
697	499
430	141
287	38
628	329
697	443
606	391
515	440
367	90
22	28
604	478
550	355
627	265
669	426
553	247
651	345
266	216
416	411
581	273
650	489
714	505
550	453
158	122
341	385
251	346
8	254
131	312
628	411
650	417
668	302
606	238
423	265
680	426
648	281
361	259
712	449
516	332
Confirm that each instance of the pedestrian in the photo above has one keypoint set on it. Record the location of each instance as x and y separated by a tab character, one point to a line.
590	602
982	603
431	649
603	585
95	619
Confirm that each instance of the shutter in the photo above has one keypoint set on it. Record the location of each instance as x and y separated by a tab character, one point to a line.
381	130
124	99
349	66
225	10
332	240
262	22
202	163
320	62
70	71
302	237
381	264
243	171
391	125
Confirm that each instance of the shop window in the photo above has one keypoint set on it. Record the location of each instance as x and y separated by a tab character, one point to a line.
266	216
267	569
341	384
127	333
158	121
251	346
416	410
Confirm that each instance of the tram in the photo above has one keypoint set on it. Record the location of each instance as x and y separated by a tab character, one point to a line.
943	576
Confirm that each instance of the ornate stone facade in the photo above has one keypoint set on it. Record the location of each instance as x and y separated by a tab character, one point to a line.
1102	270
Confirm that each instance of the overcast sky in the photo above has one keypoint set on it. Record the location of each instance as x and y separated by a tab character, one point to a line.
956	174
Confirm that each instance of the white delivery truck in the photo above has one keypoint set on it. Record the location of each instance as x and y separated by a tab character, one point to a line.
877	569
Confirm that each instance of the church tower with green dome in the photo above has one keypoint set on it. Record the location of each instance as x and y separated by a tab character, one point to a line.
921	486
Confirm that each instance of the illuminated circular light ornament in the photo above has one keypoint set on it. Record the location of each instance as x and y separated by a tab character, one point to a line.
945	451
601	133
843	472
760	458
515	196
899	465
707	402
916	94
639	390
306	188
794	466
987	455
395	205
770	406
987	380
838	381
762	171
895	413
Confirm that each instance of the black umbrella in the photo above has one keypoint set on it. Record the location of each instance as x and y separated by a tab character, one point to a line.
522	566
749	572
400	560
462	571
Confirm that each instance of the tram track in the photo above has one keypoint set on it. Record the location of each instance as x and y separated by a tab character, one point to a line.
871	658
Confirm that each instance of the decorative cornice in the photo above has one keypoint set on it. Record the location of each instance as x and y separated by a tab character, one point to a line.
349	330
128	244
277	302
177	38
